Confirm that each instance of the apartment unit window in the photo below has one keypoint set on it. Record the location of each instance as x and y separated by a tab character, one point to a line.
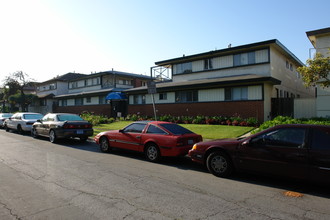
244	59
162	96
139	99
52	86
186	96
43	102
88	100
236	93
74	85
102	100
208	64
64	102
184	68
78	101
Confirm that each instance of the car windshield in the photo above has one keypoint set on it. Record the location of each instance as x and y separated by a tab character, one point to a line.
69	118
32	116
6	115
176	129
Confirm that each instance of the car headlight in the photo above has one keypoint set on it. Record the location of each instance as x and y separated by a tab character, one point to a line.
194	147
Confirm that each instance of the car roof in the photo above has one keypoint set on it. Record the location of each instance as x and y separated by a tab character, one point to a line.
153	122
301	126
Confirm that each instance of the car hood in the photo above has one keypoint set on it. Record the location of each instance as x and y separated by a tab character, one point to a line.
223	141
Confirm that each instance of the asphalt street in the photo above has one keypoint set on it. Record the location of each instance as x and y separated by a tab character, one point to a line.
71	180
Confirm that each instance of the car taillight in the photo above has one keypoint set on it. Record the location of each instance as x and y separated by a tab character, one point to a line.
69	126
73	126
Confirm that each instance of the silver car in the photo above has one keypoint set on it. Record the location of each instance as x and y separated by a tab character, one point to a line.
3	117
21	121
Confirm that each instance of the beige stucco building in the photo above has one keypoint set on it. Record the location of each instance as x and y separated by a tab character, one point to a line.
321	43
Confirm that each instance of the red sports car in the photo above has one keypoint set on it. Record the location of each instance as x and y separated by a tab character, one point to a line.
154	138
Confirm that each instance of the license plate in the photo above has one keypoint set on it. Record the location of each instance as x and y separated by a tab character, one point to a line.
80	132
190	141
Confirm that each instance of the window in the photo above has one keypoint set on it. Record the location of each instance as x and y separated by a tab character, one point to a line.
52	86
43	102
102	100
208	64
139	99
162	96
291	67
73	85
287	64
285	137
321	139
64	102
152	129
244	59
88	100
184	68
236	93
135	128
186	96
78	101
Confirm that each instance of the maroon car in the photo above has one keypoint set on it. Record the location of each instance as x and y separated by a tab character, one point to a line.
154	138
296	151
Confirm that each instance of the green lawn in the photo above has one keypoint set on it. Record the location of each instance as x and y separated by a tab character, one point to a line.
207	131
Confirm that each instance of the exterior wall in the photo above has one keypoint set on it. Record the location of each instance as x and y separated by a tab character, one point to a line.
304	108
291	82
96	109
323	102
61	88
245	109
259	69
323	44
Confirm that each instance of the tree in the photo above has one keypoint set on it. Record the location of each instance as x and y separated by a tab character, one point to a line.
14	89
317	71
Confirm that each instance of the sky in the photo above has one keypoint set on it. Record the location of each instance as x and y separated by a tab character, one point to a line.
47	38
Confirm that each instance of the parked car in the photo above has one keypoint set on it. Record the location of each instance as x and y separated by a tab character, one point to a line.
21	121
154	138
298	151
3	117
62	125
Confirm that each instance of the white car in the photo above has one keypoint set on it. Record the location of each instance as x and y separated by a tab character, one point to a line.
3	117
21	121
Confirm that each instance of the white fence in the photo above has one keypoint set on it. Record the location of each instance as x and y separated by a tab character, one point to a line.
304	108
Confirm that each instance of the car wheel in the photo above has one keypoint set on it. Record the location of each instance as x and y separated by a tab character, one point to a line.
52	136
219	164
6	128
83	139
105	145
152	152
34	133
19	129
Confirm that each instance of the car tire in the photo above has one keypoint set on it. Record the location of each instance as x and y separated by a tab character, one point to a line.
152	153
6	128
219	164
52	136
104	145
34	133
19	129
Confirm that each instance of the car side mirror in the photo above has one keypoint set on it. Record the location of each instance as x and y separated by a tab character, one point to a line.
246	143
121	131
39	121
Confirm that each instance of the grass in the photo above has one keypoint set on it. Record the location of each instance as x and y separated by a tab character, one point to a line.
207	131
